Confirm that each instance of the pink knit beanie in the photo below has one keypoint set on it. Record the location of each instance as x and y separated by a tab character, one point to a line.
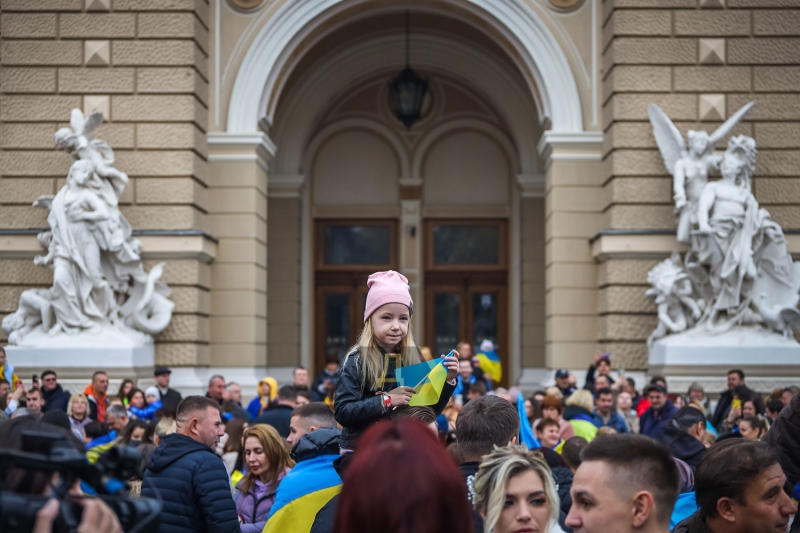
388	287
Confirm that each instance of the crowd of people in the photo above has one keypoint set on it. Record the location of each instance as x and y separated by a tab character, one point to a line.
352	451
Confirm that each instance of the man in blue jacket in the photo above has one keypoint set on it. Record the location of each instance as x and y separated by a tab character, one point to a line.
660	412
604	412
191	479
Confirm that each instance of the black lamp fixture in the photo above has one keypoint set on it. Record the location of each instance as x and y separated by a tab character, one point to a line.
408	88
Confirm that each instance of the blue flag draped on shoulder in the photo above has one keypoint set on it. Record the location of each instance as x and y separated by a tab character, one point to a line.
427	377
525	430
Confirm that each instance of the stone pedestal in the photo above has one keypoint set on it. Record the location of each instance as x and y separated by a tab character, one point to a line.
768	359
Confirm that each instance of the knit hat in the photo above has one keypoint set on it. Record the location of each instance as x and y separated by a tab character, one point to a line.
152	391
388	287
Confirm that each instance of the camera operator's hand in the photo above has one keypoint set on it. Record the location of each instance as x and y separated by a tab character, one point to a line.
96	516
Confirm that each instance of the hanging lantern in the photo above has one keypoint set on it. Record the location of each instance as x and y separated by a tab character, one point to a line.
408	90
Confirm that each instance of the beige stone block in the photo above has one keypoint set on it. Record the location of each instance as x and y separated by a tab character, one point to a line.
787	216
628	135
9	297
634	106
237	276
629	299
641	217
533	314
625	271
628	355
568	250
93	80
173	25
653	51
24	272
27	25
185	328
763	50
238	200
571	301
97	25
777	135
19	216
577	199
706	4
775	190
770	106
711	51
651	3
98	5
118	136
638	78
97	53
170	190
24	191
238	303
171	80
784	78
27	163
640	190
163	108
191	300
239	330
198	6
183	272
573	225
579	173
571	329
175	354
167	135
163	217
636	163
15	135
712	23
571	276
778	163
240	251
163	163
711	106
762	3
97	103
240	354
40	53
237	174
625	327
778	22
566	354
28	80
723	79
635	22
146	53
242	226
283	314
41	5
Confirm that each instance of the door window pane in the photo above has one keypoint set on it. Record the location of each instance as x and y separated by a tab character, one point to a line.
466	245
337	324
357	245
446	322
484	318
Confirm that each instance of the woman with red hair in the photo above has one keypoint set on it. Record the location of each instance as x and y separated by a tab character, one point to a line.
401	480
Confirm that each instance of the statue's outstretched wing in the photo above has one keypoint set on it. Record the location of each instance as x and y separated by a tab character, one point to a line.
76	120
94	120
669	139
728	125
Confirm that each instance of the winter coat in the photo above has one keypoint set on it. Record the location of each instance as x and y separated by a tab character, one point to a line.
565	430
682	445
97	405
318	393
357	408
260	403
146	413
785	435
278	416
562	476
692	524
79	425
652	423
684	508
194	487
582	422
254	505
170	399
615	421
57	398
468	472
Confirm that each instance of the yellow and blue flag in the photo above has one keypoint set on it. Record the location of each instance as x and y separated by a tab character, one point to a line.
427	378
525	431
489	362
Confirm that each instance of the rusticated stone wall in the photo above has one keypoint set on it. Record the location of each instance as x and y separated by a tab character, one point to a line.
143	63
700	60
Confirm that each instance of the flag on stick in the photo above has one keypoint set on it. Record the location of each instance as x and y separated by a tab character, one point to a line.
427	379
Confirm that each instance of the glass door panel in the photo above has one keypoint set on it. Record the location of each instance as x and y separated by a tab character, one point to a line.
337	324
446	321
484	315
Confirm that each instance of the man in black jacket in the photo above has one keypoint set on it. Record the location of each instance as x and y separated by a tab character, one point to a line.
735	379
279	415
683	436
54	396
170	398
191	479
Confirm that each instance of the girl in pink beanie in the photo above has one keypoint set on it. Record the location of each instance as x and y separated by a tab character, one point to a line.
367	388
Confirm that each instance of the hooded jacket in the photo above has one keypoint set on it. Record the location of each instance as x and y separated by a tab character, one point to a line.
97	405
309	486
785	435
194	486
652	422
682	445
57	398
261	403
582	422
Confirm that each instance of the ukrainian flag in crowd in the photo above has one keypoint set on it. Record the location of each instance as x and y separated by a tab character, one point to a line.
302	493
489	361
428	379
525	431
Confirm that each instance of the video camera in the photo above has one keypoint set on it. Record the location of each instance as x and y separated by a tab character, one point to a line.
50	453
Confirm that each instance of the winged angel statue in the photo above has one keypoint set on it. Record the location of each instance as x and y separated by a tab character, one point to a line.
737	271
98	279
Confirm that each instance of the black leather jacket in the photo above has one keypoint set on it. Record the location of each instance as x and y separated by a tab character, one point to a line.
357	408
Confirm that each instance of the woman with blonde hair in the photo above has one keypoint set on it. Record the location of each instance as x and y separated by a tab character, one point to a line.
578	412
268	462
78	411
514	491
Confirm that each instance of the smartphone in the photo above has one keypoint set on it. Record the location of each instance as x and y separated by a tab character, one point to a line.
736	404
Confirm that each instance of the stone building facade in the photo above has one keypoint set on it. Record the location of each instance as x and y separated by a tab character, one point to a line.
258	136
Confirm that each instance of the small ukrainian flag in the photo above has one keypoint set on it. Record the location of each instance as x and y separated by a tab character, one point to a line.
427	378
489	361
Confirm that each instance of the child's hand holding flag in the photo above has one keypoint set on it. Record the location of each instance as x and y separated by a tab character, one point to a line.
451	363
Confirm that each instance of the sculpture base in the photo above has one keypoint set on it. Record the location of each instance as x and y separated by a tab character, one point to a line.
768	359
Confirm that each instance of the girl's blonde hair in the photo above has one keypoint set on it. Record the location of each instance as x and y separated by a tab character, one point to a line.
581	398
371	358
275	450
76	397
494	474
